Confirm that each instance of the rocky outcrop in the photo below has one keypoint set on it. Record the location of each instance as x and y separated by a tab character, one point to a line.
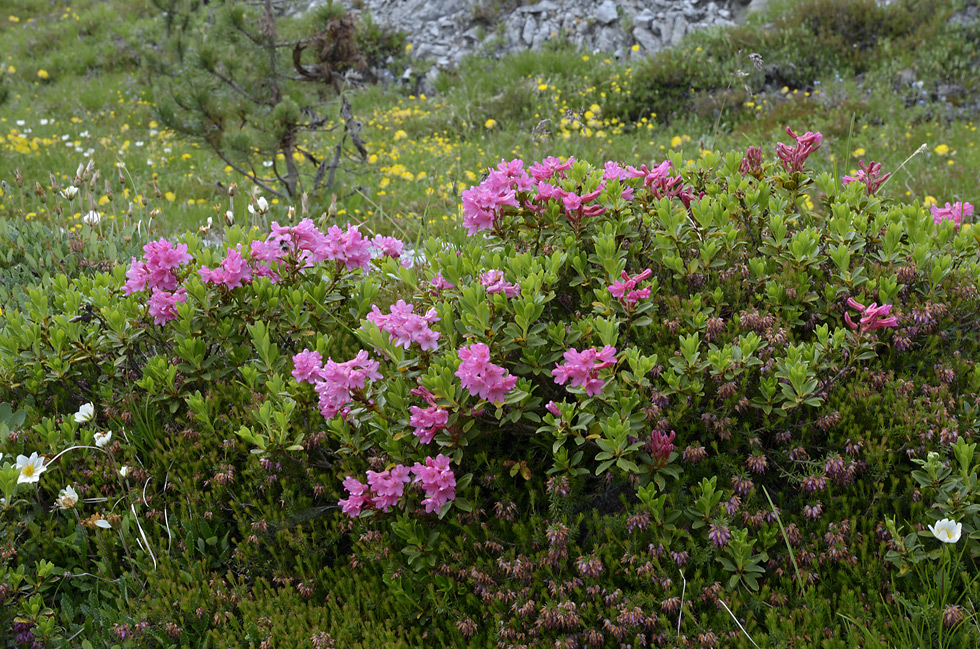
444	31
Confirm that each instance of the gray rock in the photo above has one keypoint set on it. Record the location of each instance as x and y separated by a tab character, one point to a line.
606	14
647	41
529	31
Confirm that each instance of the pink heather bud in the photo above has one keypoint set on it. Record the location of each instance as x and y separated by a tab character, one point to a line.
794	157
661	446
752	162
870	175
626	292
873	316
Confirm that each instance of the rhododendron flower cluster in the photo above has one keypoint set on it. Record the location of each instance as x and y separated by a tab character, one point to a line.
383	489
873	316
307	366
955	213
494	282
233	272
388	246
404	327
870	175
388	486
334	382
439	283
581	368
483	203
428	421
481	377
659	180
626	292
437	481
157	273
793	157
550	167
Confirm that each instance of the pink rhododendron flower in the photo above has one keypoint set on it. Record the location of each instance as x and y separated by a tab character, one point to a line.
793	157
581	368
233	272
870	175
659	181
553	408
388	486
307	366
359	497
404	327
612	171
388	246
437	480
163	304
338	380
873	316
494	282
439	283
481	377
626	292
428	421
136	277
512	175
348	246
955	213
160	259
550	167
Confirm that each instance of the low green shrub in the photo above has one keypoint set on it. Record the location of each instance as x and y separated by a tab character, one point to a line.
624	406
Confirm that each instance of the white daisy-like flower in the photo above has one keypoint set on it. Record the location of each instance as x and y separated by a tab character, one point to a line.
261	206
103	523
70	192
92	218
85	413
30	468
947	530
124	471
67	498
101	439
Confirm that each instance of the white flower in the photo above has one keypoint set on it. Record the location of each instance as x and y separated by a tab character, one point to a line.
67	498
947	530
103	523
85	413
124	471
261	206
92	218
230	217
30	468
70	192
101	439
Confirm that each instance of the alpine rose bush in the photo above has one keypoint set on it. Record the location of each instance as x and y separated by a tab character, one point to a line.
613	373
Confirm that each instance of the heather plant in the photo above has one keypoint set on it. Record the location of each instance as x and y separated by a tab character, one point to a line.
563	423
